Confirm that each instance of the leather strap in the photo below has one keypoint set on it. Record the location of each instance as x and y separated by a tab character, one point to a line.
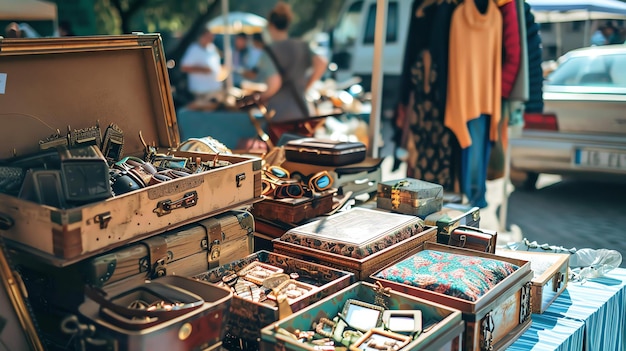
213	229
288	83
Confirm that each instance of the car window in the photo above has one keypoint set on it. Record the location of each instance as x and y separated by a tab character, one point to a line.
392	24
607	70
347	29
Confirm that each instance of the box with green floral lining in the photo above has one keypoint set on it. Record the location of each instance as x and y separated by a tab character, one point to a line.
492	292
351	319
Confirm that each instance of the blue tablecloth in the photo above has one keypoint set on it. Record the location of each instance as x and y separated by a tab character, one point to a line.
592	315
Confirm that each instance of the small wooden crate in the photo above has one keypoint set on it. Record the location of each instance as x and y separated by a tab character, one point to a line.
248	317
550	275
496	319
292	210
445	334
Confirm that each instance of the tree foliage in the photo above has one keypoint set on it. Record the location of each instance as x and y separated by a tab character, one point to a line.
126	16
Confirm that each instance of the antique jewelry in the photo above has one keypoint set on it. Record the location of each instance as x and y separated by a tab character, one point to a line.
325	327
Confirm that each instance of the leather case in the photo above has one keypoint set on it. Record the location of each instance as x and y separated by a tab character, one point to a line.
324	152
471	238
119	321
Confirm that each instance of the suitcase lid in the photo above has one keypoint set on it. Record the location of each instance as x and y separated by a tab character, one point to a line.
52	83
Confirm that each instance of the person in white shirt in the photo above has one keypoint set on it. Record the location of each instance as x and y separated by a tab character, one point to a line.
202	64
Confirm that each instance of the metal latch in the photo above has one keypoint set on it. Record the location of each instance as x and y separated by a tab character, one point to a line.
164	207
239	178
214	254
558	280
103	219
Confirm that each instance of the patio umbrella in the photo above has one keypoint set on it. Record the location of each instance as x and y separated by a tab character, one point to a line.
238	22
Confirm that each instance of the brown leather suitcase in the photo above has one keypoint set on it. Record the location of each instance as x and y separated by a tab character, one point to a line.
324	152
186	251
471	238
141	317
56	84
295	210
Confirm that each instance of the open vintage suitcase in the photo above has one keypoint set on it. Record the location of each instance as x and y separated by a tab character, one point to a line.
58	84
359	240
495	319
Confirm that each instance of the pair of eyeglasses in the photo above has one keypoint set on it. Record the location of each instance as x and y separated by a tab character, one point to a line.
278	172
318	182
282	189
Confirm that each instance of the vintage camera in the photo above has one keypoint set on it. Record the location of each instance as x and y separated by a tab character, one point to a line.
84	174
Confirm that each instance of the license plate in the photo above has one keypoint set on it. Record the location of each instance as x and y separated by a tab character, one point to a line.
596	158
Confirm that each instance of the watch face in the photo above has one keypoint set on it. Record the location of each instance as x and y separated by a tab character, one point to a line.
86	181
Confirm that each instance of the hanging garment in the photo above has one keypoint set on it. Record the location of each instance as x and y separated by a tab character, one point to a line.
535	73
511	45
475	64
519	92
433	154
474	162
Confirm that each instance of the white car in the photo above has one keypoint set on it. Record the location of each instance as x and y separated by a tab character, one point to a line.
583	129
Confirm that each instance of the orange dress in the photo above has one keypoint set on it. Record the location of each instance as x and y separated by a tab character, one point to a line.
474	69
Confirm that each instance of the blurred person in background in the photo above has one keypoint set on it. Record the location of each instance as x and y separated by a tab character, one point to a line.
202	64
13	30
65	29
283	68
254	54
241	61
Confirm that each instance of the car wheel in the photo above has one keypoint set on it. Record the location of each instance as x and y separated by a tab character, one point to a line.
524	180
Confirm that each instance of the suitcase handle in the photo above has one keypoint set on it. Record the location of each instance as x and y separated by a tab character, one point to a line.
314	151
6	222
165	207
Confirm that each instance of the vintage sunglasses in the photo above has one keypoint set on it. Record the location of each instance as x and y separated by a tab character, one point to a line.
278	172
319	181
281	189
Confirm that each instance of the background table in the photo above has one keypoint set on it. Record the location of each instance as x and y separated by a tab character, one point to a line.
589	316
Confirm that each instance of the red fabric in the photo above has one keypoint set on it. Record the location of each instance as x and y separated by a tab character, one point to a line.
511	46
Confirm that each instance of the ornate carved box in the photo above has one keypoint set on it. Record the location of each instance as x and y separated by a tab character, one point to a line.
359	240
